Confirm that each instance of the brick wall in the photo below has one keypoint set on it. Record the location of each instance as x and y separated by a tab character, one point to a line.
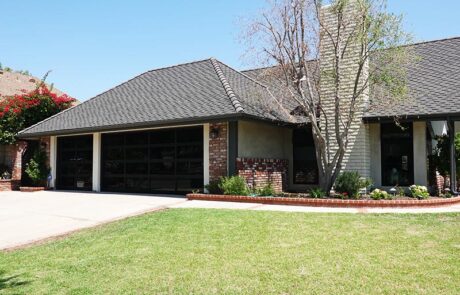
260	172
218	151
357	156
19	149
45	143
9	185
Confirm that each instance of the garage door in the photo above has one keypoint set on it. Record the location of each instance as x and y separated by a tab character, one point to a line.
165	160
75	162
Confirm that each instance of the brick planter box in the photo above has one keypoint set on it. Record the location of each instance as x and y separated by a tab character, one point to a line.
9	185
326	202
30	189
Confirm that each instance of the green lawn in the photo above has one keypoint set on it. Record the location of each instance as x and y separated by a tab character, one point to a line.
218	251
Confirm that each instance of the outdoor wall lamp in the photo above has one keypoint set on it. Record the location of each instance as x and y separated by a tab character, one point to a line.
214	133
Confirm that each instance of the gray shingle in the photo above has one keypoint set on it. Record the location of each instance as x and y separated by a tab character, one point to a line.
433	82
182	93
196	90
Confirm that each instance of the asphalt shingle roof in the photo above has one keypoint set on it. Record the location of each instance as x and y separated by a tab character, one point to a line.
183	93
209	89
433	82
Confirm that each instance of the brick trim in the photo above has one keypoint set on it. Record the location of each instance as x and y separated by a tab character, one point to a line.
326	202
259	172
9	184
218	151
30	189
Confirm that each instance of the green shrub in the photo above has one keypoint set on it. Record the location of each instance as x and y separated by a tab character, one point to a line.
378	194
419	192
214	187
350	183
36	168
317	193
266	190
400	192
234	185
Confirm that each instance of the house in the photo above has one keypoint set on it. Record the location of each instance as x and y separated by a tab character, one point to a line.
12	156
177	128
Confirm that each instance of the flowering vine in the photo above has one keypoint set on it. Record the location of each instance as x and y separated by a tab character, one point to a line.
23	110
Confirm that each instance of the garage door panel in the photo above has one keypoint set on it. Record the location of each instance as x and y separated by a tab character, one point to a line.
165	167
74	162
167	160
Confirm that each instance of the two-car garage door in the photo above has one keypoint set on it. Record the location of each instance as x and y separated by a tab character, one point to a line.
163	160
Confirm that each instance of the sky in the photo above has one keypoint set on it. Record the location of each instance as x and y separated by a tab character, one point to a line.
93	45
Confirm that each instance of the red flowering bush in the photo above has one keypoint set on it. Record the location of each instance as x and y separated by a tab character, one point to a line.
23	110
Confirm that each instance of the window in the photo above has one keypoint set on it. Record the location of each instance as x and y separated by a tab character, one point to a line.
397	154
305	169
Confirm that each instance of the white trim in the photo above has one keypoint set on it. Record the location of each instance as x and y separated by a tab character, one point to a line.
97	162
206	154
53	160
420	153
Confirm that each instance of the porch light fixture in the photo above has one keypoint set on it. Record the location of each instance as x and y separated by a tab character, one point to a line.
214	133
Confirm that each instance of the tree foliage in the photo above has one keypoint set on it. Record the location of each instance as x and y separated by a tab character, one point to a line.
290	37
23	110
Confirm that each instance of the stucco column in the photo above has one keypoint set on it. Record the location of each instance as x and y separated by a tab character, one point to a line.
206	154
97	162
53	160
420	154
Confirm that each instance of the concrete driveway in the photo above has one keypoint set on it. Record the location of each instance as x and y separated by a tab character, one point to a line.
29	217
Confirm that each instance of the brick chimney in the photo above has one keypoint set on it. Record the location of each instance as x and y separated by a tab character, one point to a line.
357	157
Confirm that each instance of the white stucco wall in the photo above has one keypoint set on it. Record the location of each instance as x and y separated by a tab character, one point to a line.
457	126
420	154
261	140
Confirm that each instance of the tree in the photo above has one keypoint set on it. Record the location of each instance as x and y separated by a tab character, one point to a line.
321	60
23	110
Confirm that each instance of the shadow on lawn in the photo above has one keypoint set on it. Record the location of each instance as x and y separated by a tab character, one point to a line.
10	282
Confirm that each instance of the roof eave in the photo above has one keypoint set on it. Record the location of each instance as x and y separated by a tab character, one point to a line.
421	117
151	124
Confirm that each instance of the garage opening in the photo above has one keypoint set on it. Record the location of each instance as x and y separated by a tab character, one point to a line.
75	162
157	161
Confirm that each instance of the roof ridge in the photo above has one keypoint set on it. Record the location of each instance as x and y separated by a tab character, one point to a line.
265	87
228	89
244	75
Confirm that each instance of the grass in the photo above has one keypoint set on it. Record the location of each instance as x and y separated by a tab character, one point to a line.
226	252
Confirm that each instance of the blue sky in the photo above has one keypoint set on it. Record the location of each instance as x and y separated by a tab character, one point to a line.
93	45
